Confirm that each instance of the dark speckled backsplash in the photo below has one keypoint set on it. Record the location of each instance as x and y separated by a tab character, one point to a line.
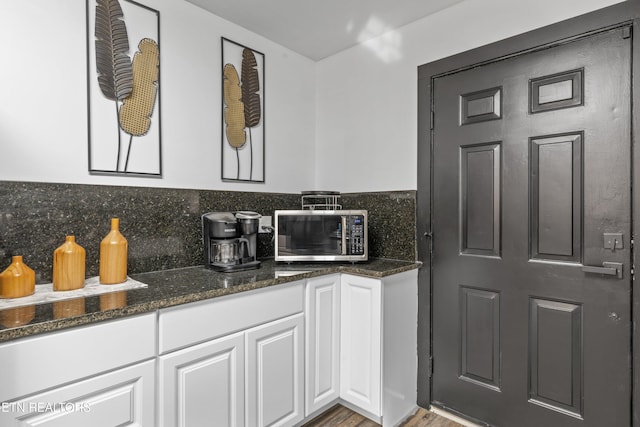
163	225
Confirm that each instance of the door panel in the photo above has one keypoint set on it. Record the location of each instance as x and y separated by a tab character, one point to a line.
480	333
555	355
480	199
556	197
531	167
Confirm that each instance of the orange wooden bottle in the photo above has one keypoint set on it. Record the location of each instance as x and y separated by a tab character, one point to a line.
18	280
113	256
68	266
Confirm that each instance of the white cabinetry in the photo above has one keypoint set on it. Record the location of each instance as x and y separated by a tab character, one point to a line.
99	375
275	366
204	383
269	357
322	350
378	347
241	366
360	350
123	397
399	346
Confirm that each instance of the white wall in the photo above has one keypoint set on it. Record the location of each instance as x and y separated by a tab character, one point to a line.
361	120
43	99
366	127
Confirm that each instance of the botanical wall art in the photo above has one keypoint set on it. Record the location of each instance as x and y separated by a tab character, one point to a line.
242	113
123	66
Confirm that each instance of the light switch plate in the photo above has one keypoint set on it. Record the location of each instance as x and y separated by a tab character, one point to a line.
265	221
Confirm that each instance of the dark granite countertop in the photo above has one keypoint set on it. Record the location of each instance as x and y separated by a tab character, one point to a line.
168	288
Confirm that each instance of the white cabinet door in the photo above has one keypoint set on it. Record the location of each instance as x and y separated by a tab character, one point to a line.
322	336
121	398
203	385
274	383
360	342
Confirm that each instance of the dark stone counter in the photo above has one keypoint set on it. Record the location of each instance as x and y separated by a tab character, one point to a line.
173	287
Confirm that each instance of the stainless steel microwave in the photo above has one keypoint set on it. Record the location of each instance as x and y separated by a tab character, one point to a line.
321	235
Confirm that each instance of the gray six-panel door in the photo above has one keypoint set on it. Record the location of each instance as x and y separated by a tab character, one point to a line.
531	220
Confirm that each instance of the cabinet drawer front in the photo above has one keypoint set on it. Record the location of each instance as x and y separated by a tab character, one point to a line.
201	321
123	397
45	361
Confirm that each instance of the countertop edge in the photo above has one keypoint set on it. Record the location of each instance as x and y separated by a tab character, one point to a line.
29	330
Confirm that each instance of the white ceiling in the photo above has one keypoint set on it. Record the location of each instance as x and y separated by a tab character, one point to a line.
317	29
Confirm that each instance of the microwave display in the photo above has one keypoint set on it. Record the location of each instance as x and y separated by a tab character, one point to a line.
321	236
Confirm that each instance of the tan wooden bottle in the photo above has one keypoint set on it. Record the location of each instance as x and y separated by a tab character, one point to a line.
18	280
68	266
113	256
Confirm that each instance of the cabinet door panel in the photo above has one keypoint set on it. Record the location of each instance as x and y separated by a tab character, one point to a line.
322	333
274	388
119	398
360	354
204	384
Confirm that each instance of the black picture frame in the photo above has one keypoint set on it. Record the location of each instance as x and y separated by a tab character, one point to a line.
111	151
245	163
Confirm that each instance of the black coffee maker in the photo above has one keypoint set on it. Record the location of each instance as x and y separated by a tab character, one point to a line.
230	240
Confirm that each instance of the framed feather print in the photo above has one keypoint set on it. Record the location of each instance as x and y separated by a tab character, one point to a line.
123	85
242	113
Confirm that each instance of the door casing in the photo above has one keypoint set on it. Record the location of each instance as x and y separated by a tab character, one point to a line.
626	12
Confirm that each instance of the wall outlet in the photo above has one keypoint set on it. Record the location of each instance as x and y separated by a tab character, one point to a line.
265	225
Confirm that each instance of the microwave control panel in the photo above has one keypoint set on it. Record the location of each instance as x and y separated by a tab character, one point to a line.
356	234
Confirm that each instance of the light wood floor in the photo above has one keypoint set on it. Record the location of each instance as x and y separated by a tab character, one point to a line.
339	416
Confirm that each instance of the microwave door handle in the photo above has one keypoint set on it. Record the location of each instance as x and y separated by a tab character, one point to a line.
344	235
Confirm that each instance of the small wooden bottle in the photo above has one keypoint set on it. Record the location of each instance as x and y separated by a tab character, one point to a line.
18	280
68	266
113	256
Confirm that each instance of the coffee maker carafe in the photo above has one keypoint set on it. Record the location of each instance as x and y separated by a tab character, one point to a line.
230	240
